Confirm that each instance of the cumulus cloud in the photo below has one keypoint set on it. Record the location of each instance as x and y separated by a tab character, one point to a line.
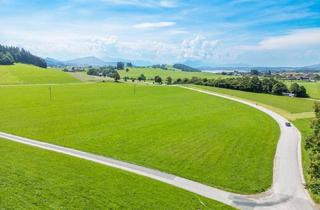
198	48
153	25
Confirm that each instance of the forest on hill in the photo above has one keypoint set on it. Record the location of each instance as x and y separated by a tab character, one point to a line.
10	55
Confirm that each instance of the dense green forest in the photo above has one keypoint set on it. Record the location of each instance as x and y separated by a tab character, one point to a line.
10	55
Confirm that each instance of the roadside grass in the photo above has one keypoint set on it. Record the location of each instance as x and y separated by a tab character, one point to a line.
292	108
313	88
28	74
32	178
204	138
304	126
150	73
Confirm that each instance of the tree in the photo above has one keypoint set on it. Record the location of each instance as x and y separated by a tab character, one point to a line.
295	88
298	91
6	59
129	64
279	88
142	77
127	70
256	85
254	72
120	65
116	76
158	79
267	85
303	92
313	146
169	80
12	55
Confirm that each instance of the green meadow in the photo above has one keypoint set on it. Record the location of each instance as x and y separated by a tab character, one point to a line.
150	73
28	74
32	178
204	138
289	107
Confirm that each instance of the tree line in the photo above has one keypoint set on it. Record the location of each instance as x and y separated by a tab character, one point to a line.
313	147
249	84
10	55
106	71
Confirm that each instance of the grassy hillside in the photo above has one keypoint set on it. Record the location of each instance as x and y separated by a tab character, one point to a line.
304	127
283	105
200	137
32	178
150	73
28	74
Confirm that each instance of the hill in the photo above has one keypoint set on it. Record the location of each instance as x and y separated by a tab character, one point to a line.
11	55
184	67
86	61
28	74
54	62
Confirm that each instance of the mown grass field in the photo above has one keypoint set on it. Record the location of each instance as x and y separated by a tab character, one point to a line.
193	135
28	74
32	178
304	126
280	104
150	73
313	88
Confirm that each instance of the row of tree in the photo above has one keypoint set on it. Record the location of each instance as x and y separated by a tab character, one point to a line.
10	55
106	71
250	84
313	147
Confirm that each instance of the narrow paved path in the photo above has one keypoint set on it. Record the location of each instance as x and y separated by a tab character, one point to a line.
287	191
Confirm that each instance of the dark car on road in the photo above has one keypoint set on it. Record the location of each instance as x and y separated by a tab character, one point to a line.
288	124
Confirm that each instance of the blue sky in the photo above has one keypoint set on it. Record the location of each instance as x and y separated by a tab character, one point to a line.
217	32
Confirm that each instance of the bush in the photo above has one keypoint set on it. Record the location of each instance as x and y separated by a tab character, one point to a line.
169	80
158	79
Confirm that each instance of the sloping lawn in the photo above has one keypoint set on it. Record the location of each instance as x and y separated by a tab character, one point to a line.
28	74
31	178
204	138
289	104
150	73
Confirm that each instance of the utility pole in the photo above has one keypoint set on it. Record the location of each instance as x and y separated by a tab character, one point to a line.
134	89
50	93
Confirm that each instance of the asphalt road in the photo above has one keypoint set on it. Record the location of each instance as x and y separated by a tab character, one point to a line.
287	191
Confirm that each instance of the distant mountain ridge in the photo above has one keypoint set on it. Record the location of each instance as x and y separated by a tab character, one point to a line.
54	62
86	61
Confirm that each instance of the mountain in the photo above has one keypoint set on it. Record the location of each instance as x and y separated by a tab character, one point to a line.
86	61
312	67
51	62
184	67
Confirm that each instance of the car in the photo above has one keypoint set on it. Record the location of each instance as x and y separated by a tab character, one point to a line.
288	124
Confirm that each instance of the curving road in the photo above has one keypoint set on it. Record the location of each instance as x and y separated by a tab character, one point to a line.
287	191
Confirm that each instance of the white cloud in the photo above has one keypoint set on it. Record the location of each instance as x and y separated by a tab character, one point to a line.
153	25
198	48
168	4
301	38
144	3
